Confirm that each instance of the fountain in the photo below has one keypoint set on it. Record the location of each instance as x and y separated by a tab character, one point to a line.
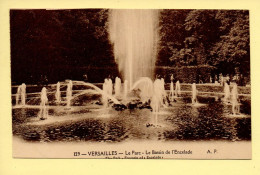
163	93
18	93
226	92
177	89
110	87
44	100
145	85
105	90
117	87
156	100
194	94
171	95
234	100
125	89
69	94
21	93
57	94
97	89
134	35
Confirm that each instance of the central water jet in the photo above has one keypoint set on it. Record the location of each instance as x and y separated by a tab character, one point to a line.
134	35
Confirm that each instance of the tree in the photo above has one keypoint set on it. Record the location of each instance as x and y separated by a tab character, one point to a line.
231	53
172	34
202	29
219	38
53	42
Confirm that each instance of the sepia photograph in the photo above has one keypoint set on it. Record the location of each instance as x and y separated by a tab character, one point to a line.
130	83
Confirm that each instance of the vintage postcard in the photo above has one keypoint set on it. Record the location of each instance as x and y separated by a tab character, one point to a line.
131	83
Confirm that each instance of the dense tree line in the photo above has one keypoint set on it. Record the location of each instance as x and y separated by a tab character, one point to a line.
63	44
58	44
219	38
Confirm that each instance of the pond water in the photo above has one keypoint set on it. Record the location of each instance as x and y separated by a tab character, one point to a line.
181	121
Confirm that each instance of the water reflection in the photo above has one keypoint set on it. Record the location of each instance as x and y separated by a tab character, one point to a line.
183	122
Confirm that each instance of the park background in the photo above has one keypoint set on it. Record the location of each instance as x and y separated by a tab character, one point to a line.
194	45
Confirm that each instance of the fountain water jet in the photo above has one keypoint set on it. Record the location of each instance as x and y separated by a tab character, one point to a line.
171	95
18	93
102	92
177	88
117	87
44	100
134	35
125	89
57	94
105	88
110	87
69	94
234	100
227	93
21	93
194	94
164	94
157	98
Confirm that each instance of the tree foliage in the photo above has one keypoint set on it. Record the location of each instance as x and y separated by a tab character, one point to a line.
232	49
53	42
49	42
197	37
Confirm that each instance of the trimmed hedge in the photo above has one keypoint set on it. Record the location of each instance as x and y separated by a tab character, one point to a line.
187	74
